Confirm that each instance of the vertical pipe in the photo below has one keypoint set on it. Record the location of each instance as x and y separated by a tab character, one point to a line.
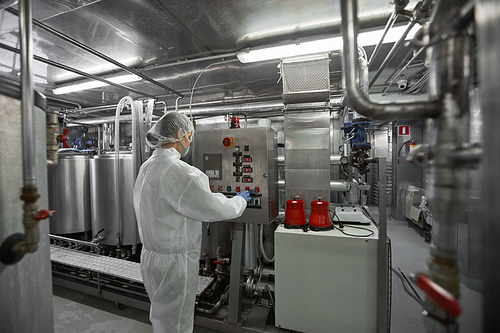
488	26
251	246
118	223
27	93
236	279
382	260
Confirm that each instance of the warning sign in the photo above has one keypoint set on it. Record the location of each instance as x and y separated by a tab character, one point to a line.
404	130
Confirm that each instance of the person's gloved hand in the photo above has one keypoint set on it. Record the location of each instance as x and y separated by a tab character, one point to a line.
245	195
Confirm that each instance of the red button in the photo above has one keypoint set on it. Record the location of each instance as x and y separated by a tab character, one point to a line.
219	188
257	189
237	189
211	188
247	188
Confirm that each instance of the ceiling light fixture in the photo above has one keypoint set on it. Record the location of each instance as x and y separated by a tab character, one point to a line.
323	45
95	84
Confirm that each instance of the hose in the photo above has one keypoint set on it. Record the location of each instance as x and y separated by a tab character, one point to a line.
261	242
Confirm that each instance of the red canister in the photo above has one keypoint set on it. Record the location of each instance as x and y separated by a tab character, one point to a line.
320	219
294	214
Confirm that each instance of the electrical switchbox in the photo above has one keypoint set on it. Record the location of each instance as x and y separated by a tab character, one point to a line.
242	159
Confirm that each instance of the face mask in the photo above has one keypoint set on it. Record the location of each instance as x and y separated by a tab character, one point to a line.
185	150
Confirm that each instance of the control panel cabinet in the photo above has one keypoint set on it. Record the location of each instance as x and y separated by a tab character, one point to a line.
242	159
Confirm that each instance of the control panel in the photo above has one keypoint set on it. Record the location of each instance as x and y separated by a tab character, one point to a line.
242	159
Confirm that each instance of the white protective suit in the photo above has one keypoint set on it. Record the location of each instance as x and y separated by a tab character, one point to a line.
171	198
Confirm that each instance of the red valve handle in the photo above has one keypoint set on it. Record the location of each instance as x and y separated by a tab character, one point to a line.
441	296
44	214
218	262
63	137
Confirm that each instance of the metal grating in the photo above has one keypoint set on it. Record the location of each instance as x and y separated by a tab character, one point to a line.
306	79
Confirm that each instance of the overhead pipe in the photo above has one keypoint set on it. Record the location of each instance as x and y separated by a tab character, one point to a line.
356	98
97	53
388	26
265	38
76	71
421	10
395	77
395	48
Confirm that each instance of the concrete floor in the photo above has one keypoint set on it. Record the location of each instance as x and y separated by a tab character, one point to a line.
76	312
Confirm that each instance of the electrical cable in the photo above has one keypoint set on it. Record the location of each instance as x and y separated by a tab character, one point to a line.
305	227
342	226
196	81
270	296
404	144
408	281
405	287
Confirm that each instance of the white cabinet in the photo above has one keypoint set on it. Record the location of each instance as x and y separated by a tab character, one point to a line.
326	281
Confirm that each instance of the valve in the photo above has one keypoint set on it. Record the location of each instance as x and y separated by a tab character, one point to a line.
44	214
63	138
441	296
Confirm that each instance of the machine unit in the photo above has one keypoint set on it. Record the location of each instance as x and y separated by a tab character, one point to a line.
326	281
242	159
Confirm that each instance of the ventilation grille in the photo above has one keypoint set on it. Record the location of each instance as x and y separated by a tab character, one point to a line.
306	79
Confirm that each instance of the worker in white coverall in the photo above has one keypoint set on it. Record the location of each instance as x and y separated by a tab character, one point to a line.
171	198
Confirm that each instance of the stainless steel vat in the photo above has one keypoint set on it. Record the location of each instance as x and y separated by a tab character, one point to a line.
26	288
102	196
69	194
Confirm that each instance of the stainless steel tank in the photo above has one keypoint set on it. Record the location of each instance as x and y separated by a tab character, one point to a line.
102	195
26	287
69	194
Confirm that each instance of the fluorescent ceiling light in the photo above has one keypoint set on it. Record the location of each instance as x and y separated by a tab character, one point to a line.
95	84
323	45
100	68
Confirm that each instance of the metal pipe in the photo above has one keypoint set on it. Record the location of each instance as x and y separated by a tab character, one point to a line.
71	69
251	246
394	77
27	93
388	26
356	98
137	119
119	108
27	243
52	144
75	241
191	61
392	52
382	256
339	185
216	306
487	28
97	53
268	37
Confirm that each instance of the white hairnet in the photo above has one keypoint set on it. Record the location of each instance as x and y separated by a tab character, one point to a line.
167	129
